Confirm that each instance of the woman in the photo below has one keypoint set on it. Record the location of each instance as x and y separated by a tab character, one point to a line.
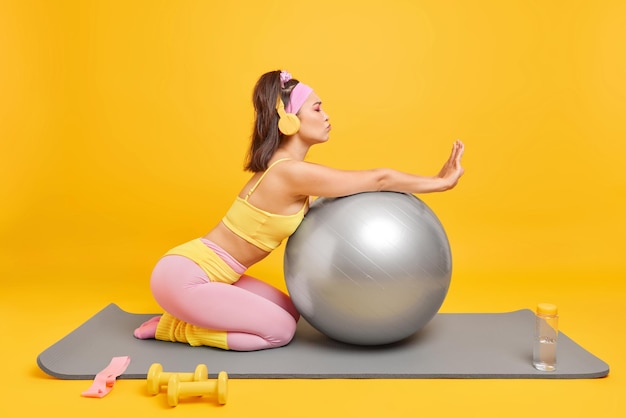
201	285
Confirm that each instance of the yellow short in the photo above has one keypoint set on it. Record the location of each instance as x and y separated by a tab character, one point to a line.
216	269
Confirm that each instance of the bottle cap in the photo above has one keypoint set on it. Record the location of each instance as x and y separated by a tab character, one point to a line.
547	309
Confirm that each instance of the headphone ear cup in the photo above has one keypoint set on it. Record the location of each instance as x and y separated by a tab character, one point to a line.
288	124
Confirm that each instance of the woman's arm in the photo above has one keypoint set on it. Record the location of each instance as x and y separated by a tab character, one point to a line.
317	180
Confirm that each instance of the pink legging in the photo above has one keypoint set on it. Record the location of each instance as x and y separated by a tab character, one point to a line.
254	314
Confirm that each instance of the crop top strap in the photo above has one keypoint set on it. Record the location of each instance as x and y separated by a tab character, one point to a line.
263	175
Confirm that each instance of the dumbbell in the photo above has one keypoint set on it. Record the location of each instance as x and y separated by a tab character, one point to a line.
157	377
177	388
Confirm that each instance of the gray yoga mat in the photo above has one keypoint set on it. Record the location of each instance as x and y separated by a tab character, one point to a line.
480	346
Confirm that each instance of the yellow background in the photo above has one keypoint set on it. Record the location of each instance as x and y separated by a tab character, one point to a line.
123	127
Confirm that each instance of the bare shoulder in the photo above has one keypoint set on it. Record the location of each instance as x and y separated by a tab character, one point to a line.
306	178
303	171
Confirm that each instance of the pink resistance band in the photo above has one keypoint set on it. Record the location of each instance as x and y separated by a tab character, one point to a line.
298	96
104	381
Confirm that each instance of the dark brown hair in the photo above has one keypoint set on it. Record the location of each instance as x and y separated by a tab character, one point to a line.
266	137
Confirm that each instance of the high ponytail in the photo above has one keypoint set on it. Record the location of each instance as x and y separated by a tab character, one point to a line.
265	135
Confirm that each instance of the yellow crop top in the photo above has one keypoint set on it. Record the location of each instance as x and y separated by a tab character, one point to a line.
261	228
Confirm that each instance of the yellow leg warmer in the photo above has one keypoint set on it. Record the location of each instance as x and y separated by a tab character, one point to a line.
173	329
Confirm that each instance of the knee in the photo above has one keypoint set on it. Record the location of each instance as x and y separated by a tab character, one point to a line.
283	334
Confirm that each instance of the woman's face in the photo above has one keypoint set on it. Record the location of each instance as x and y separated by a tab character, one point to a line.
314	124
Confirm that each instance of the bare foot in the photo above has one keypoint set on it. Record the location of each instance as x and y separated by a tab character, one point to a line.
147	330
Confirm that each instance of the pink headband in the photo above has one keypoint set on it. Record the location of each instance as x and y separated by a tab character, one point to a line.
298	95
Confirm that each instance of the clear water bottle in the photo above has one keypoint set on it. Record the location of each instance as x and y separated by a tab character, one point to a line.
546	333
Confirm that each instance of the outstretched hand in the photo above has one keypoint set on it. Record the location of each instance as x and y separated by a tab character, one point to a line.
452	169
